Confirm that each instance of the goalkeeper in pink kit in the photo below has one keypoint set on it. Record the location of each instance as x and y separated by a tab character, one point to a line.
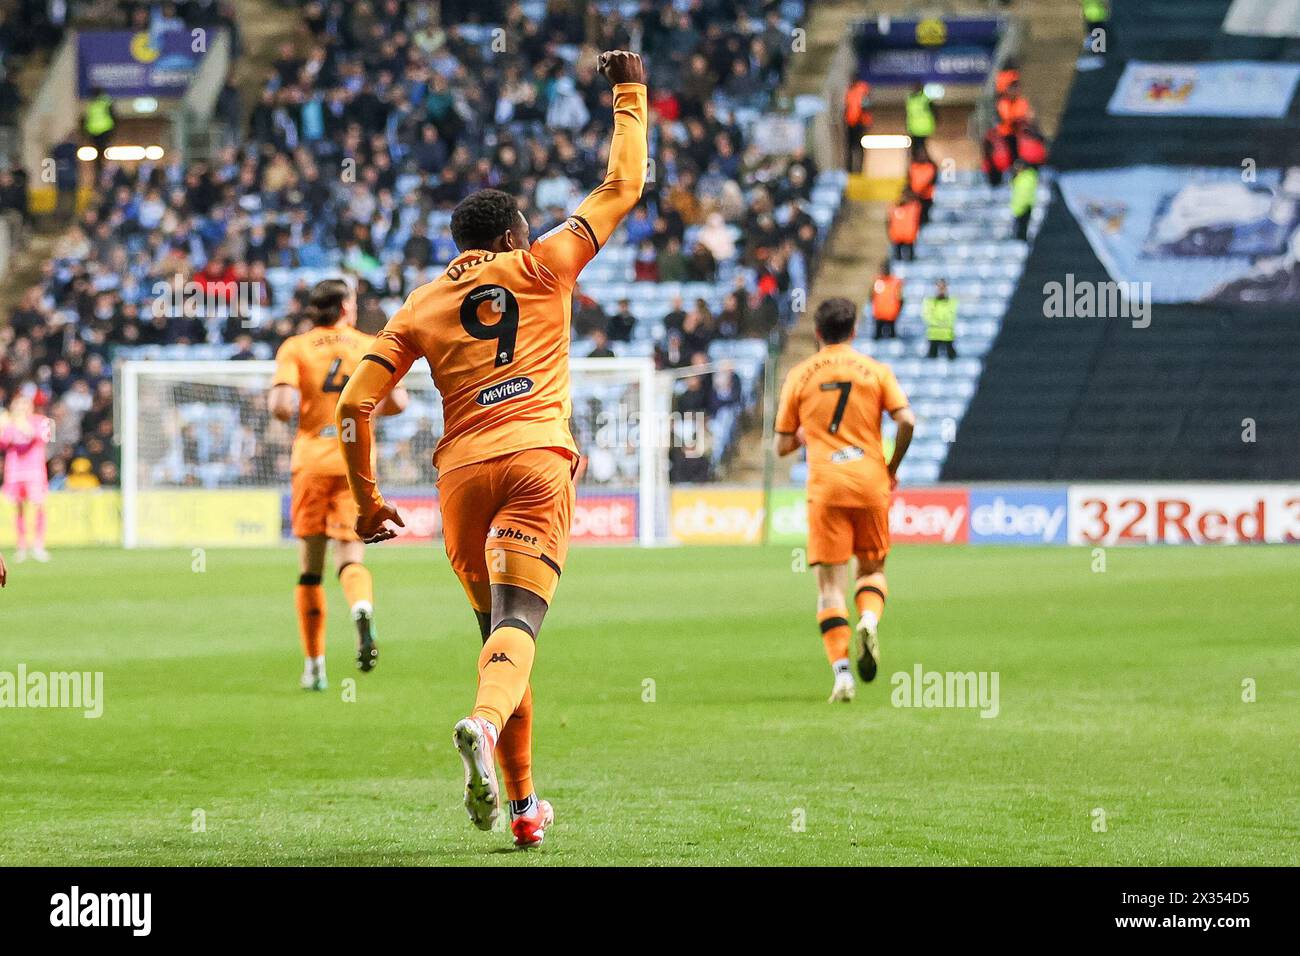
23	439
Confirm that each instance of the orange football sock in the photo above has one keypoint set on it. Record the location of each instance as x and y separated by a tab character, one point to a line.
835	632
870	593
357	584
515	749
310	598
504	665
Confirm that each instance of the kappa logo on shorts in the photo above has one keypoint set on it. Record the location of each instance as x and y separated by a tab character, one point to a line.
500	658
503	392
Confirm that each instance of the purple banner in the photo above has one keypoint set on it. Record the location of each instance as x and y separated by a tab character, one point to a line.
900	52
149	63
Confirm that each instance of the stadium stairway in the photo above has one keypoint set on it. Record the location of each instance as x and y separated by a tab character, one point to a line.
967	242
1054	33
263	26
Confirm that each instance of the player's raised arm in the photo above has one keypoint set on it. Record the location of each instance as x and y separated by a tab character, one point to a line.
374	380
566	249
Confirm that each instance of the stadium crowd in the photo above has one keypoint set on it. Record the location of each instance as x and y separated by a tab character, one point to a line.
367	132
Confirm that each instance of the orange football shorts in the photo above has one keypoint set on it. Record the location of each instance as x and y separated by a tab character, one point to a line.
506	521
322	504
836	533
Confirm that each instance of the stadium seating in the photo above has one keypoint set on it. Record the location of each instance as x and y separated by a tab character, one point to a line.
144	229
969	243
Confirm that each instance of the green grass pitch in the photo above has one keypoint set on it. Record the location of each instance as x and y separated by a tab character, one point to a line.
1121	694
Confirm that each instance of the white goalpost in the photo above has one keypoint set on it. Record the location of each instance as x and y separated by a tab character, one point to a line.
204	463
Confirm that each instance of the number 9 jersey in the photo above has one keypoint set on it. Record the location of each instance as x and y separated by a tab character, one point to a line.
318	364
495	325
495	330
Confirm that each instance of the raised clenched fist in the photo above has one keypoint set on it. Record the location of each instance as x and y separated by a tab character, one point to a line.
621	66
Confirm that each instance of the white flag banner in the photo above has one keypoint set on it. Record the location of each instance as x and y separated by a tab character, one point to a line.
1263	18
1233	89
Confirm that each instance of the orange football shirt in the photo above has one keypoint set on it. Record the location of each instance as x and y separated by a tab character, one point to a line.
318	364
838	397
495	327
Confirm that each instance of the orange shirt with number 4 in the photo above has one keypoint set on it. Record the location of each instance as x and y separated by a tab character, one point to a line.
837	397
318	364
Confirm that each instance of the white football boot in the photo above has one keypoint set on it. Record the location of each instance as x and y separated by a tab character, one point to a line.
476	742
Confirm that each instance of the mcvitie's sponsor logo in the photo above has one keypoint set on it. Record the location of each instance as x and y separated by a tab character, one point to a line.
503	392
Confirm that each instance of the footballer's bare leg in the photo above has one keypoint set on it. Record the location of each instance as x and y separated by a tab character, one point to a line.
309	597
833	619
869	592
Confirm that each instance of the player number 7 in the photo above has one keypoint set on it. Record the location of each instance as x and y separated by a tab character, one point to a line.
845	388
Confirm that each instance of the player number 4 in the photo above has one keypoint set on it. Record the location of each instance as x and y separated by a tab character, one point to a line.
334	382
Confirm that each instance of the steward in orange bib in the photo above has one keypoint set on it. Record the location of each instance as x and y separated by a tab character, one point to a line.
921	177
857	121
904	224
886	302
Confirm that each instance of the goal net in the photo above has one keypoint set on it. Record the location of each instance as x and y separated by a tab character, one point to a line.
204	464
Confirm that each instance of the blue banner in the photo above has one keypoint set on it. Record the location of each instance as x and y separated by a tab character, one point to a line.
1193	234
1019	516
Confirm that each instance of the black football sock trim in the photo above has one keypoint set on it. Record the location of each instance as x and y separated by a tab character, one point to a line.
310	580
833	622
515	622
872	588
